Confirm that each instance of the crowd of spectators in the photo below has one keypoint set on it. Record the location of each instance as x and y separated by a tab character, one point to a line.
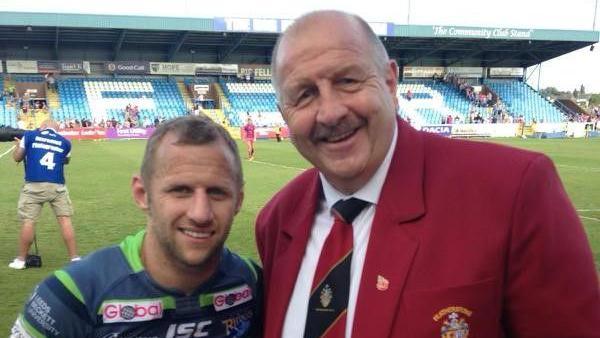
109	123
23	104
591	119
476	116
482	97
494	110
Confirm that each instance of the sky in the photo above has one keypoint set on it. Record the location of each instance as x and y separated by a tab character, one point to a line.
567	72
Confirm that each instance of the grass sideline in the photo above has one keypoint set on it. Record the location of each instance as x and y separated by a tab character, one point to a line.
100	172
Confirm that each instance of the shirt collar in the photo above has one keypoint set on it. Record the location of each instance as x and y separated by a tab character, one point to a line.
372	189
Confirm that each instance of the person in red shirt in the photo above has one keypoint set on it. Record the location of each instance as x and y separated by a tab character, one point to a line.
249	136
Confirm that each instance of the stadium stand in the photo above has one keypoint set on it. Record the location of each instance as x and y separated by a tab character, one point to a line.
8	113
256	99
29	78
9	116
205	102
423	101
99	99
521	99
430	102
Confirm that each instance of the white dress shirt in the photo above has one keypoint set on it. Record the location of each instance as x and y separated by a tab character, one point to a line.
295	318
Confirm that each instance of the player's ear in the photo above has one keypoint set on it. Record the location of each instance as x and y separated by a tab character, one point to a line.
138	190
240	201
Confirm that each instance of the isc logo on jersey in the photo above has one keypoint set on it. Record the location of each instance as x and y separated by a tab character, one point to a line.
232	297
188	330
135	311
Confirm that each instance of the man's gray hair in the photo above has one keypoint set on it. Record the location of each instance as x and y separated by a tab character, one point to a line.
379	53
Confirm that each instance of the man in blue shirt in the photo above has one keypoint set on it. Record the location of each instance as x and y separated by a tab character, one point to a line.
176	278
45	153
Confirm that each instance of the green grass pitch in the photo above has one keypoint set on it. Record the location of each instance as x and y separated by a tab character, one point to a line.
100	173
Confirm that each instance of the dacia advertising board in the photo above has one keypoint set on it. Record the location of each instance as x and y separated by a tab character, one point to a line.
440	129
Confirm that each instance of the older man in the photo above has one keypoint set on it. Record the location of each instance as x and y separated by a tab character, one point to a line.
176	278
398	233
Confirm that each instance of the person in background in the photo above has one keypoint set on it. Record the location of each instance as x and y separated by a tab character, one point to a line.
387	236
249	137
176	278
45	153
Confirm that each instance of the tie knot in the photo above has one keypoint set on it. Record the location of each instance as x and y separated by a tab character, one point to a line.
348	209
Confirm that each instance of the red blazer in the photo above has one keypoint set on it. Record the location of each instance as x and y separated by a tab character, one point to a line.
480	230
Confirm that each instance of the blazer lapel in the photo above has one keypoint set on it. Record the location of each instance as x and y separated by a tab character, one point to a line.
289	253
391	247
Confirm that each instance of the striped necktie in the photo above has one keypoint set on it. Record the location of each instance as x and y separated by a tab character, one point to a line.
330	289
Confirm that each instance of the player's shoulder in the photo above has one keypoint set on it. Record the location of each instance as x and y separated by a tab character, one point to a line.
29	134
71	295
110	257
234	265
95	273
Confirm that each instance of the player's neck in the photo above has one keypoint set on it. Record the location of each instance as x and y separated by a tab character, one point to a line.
172	274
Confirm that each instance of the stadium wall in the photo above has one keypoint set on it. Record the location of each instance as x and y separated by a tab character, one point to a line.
542	130
539	130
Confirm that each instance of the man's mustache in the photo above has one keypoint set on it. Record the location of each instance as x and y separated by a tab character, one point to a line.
323	132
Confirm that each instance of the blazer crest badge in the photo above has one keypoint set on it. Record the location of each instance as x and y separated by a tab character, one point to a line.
454	320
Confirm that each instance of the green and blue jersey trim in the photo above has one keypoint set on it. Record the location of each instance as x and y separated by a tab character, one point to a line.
32	331
69	283
132	248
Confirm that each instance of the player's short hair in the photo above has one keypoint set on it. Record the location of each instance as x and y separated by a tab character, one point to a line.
191	130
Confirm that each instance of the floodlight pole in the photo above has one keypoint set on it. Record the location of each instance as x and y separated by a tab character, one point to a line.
539	75
408	14
594	22
595	11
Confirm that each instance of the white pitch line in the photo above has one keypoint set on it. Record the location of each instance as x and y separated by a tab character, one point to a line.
279	165
8	151
588	210
590	218
580	168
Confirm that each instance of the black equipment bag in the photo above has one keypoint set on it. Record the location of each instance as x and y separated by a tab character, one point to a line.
35	260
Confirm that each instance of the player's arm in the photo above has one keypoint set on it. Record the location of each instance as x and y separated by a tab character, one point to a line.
19	152
55	309
67	158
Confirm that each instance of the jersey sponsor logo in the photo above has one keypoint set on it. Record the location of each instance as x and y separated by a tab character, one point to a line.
188	330
132	311
230	298
48	140
36	145
238	325
41	315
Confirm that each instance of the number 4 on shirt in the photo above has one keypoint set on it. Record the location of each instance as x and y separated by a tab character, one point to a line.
48	161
